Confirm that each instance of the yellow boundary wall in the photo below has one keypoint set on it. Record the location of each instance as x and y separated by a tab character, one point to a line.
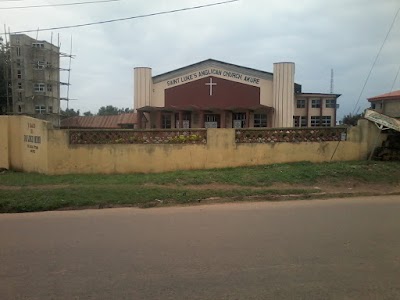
31	145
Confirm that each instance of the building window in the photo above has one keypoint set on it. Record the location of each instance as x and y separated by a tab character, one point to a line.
239	120
260	120
211	121
316	103
40	109
19	74
303	121
330	103
326	121
315	121
18	62
39	87
39	65
19	85
373	106
166	121
185	122
38	45
299	121
19	96
50	109
301	103
18	49
49	88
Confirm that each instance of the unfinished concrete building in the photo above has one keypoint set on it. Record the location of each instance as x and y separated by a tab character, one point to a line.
35	78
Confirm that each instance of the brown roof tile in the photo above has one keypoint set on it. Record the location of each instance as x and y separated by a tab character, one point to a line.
100	122
388	96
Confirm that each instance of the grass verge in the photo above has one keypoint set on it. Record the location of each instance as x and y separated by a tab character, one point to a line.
24	192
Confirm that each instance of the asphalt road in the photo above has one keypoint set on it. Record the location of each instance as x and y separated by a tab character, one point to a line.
331	249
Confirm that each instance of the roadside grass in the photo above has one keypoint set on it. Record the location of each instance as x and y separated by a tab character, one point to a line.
30	200
27	192
295	173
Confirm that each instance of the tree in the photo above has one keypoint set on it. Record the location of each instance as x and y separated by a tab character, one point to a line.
69	112
87	114
112	110
351	119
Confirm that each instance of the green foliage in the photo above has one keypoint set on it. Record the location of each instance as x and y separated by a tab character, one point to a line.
87	114
69	112
351	119
112	110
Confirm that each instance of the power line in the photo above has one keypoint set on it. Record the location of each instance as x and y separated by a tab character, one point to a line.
376	59
395	79
60	4
129	18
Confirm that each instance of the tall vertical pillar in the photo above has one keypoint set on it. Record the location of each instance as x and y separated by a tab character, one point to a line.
202	124
143	87
283	94
139	119
223	119
159	119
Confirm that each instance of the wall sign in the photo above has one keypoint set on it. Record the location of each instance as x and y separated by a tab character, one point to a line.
33	141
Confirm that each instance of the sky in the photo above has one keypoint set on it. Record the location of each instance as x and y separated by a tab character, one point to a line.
343	35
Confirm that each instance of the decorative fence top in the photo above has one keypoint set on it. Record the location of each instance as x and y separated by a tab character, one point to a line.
88	137
291	135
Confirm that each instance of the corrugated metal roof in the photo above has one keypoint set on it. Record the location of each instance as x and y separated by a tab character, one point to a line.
100	122
388	96
383	120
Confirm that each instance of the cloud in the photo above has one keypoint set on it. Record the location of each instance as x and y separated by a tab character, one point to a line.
344	35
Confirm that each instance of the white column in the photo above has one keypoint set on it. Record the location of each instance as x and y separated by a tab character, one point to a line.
143	86
283	94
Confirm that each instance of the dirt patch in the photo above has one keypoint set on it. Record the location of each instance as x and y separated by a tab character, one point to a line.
34	187
352	187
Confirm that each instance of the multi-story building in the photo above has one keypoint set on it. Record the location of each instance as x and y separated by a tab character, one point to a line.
212	93
35	78
387	104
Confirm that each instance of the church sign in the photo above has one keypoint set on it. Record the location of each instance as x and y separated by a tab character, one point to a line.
31	140
211	72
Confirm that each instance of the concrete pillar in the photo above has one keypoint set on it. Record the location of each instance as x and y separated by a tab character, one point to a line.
159	120
201	121
139	119
247	119
143	87
283	94
223	119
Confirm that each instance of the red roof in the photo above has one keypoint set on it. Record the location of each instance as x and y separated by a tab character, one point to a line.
388	96
100	122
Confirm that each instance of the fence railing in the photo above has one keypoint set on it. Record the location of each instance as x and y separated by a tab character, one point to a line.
199	136
88	137
291	135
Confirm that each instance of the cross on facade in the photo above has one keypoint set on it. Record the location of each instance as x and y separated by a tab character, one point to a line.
211	84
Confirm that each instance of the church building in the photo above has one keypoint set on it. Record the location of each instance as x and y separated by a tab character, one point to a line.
215	94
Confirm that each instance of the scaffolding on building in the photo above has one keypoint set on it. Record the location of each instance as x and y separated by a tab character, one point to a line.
44	82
